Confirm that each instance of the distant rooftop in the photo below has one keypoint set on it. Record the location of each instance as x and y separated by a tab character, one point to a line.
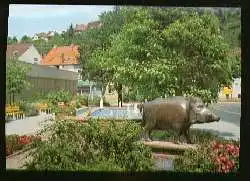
17	49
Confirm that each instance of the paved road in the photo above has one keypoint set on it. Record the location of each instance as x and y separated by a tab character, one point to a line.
229	112
229	126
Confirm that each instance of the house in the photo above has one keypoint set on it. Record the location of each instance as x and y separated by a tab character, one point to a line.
80	28
64	58
90	25
40	36
50	34
23	52
35	37
94	24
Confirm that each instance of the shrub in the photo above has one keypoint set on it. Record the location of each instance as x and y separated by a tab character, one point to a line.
219	156
82	99
196	136
29	109
12	144
95	101
59	96
92	146
67	110
16	142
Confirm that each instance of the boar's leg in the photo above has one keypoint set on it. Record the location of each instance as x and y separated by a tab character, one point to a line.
148	129
147	134
187	136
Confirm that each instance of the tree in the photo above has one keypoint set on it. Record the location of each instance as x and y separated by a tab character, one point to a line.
16	78
96	41
200	66
26	39
178	60
11	40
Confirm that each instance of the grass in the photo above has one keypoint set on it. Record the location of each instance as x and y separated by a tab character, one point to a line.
196	136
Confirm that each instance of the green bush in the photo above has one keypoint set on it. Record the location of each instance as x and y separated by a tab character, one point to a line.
82	100
196	136
95	101
29	109
12	144
92	146
69	110
204	158
59	96
208	158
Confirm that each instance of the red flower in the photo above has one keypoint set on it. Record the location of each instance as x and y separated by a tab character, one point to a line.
9	150
24	140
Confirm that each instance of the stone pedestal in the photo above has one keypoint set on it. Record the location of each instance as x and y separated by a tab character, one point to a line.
101	103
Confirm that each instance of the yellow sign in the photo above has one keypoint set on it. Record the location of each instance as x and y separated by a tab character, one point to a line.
60	103
227	90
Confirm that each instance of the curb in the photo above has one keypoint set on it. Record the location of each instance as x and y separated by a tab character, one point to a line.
229	102
18	153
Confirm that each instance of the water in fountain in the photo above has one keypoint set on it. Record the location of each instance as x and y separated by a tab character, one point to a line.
111	113
128	112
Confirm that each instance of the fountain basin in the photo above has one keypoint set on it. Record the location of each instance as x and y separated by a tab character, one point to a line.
116	113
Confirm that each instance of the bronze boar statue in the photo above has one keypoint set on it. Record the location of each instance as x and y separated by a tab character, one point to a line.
176	113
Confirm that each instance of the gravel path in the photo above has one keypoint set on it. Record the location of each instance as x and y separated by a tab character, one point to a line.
17	161
28	125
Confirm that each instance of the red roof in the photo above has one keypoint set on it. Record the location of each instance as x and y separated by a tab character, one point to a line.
66	55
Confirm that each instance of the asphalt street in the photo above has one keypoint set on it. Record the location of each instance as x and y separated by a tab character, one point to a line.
229	125
229	112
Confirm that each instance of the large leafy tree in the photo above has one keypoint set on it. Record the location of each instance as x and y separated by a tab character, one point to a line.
96	41
200	56
16	78
187	57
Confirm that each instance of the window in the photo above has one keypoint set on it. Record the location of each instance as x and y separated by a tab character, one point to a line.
35	59
15	53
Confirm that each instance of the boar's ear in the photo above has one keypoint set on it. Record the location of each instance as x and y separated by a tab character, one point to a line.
194	101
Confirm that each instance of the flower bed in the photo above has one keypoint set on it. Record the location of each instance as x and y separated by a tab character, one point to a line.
15	142
226	157
214	156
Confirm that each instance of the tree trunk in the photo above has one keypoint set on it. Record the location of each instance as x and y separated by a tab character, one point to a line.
119	90
10	97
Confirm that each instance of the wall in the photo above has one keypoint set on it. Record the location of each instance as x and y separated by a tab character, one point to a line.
46	79
29	56
73	68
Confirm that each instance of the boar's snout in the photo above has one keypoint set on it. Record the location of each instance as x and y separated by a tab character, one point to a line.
215	118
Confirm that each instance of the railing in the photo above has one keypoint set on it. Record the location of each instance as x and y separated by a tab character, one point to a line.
44	108
14	112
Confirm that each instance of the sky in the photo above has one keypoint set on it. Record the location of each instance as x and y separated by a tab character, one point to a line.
32	19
